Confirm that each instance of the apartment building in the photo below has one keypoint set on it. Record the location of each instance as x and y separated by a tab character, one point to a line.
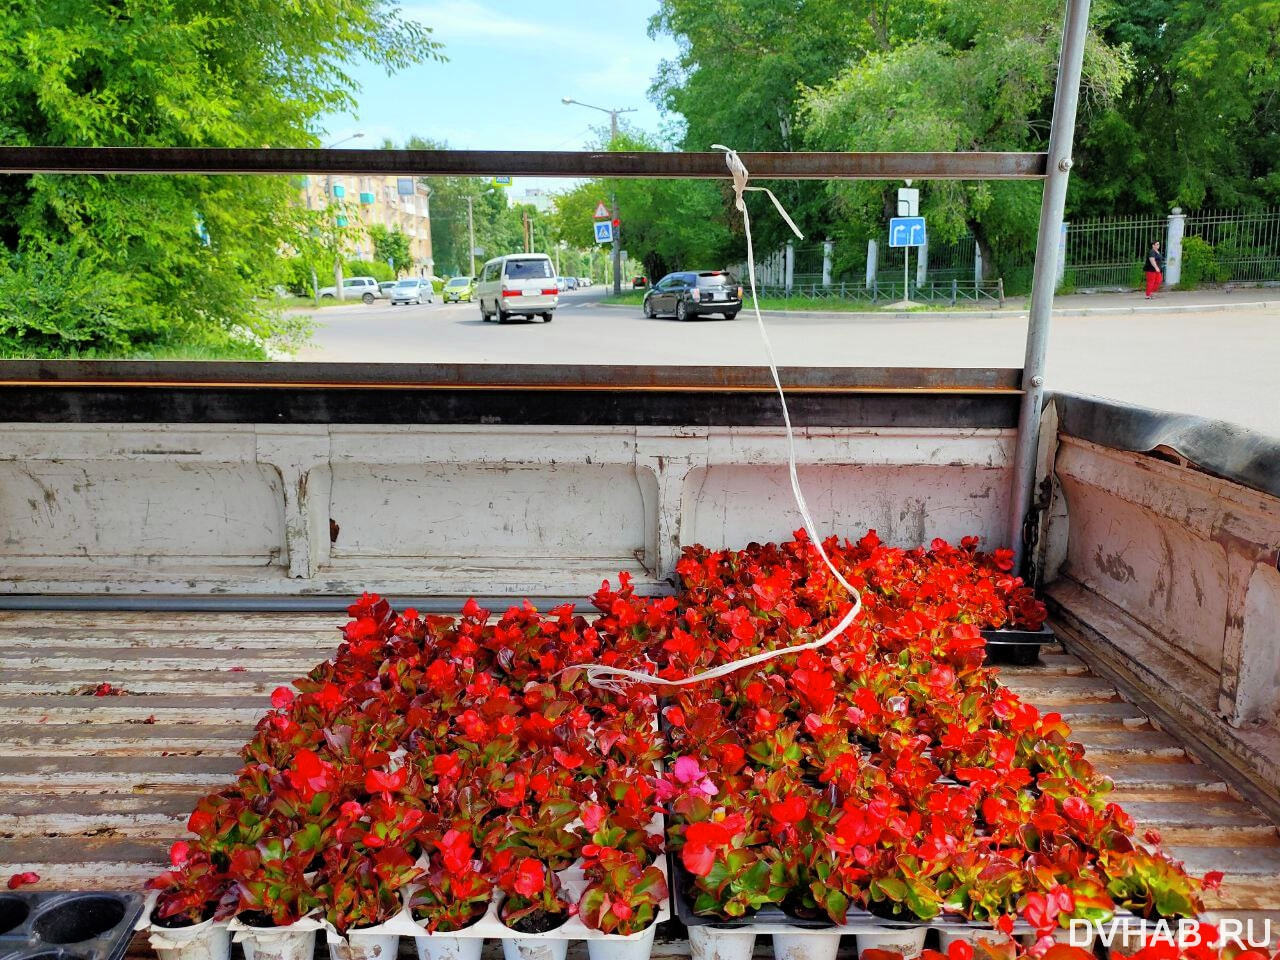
393	202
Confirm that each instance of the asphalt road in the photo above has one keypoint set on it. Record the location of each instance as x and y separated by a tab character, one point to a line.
1223	364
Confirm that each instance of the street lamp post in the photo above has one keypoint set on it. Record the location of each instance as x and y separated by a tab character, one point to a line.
328	196
613	136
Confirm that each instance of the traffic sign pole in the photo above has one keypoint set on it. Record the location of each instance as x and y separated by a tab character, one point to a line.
617	246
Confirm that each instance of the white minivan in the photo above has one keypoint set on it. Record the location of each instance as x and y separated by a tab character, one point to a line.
519	284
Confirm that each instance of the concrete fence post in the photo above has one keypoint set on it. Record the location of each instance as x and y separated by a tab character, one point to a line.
1173	246
872	253
828	249
977	264
922	263
790	266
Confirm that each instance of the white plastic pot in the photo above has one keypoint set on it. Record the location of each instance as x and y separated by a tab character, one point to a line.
946	936
443	946
909	941
637	948
201	941
709	943
277	943
810	945
534	948
359	945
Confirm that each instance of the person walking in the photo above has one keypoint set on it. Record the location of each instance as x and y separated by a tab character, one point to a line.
1153	268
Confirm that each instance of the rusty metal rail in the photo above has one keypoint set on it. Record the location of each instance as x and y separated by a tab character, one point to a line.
537	163
93	789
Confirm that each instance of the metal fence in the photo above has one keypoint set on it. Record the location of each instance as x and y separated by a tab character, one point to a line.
1108	252
1103	253
1245	246
889	289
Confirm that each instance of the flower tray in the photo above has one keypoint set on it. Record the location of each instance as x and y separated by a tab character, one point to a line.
491	927
88	926
774	920
1018	648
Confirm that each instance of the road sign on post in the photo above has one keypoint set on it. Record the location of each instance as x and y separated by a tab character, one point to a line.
602	212
908	202
604	231
906	232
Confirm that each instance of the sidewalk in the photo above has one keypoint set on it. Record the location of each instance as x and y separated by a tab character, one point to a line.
1215	300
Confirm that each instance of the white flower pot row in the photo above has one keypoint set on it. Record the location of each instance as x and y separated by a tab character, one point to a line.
212	941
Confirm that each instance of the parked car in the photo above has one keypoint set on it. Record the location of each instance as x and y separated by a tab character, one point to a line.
457	289
584	281
571	283
685	295
384	289
412	290
518	284
639	283
562	284
353	288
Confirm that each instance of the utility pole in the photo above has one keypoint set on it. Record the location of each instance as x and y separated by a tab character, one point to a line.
524	214
613	137
471	238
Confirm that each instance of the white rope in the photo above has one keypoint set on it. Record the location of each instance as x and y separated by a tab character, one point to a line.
605	677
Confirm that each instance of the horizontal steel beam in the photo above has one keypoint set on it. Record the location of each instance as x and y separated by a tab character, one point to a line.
484	376
489	163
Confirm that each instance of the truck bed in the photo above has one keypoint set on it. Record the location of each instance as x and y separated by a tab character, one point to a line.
93	789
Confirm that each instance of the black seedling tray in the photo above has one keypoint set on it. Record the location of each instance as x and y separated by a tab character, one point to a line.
1018	648
67	926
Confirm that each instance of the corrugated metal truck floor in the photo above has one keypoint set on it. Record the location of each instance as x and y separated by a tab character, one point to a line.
93	790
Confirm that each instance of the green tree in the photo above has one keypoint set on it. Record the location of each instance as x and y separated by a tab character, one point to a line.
1197	123
180	260
979	78
666	224
391	245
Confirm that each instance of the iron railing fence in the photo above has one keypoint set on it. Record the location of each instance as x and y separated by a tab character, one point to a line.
885	290
1245	245
951	261
1108	251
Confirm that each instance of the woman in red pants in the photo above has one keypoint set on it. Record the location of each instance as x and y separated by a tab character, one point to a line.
1153	267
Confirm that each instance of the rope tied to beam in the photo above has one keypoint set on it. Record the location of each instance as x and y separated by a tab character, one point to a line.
614	678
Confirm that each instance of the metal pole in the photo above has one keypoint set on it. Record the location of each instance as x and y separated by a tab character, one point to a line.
617	248
471	238
1052	205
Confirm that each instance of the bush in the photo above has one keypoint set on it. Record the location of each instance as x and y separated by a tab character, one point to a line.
1199	264
368	268
57	301
297	277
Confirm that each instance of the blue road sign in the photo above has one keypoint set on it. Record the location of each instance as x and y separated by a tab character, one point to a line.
604	231
906	232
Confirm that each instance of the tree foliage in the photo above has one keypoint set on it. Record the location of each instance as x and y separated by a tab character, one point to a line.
391	247
1178	104
666	224
177	259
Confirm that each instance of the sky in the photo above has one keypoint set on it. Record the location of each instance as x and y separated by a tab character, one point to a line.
509	64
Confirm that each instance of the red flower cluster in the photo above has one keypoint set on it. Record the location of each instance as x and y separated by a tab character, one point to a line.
449	752
887	770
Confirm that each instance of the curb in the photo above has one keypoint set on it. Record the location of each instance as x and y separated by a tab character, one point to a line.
1009	314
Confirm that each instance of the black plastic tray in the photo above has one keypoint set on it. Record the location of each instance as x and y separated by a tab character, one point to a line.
1019	648
67	926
